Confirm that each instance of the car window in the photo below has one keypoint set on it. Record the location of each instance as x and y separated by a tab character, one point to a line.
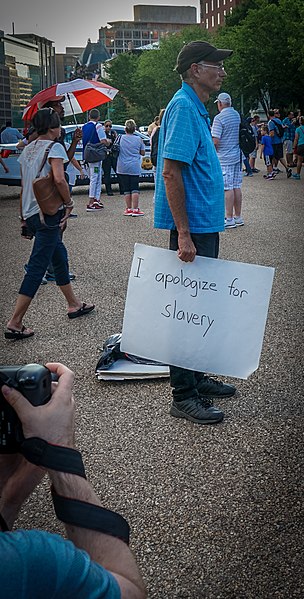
68	137
119	129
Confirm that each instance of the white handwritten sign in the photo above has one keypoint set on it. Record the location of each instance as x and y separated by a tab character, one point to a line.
208	315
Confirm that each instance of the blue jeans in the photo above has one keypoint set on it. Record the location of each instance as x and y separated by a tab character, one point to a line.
186	383
48	247
247	165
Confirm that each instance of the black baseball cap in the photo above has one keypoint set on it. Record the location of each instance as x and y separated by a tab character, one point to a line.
197	51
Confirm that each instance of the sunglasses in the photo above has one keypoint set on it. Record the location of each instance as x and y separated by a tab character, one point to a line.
219	67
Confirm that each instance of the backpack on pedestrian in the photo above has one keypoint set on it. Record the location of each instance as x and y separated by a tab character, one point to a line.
247	141
280	129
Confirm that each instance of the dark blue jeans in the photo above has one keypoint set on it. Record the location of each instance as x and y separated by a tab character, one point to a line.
185	383
48	246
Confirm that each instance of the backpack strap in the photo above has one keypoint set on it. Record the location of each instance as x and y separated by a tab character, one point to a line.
45	158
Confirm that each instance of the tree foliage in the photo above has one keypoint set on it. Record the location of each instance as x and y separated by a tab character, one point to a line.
267	64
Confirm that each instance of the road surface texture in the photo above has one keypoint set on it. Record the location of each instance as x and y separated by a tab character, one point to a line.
216	511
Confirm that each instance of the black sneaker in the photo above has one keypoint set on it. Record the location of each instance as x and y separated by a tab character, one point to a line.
197	409
209	387
288	173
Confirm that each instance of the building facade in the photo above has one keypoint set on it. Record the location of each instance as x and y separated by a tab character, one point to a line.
213	12
66	63
27	65
150	24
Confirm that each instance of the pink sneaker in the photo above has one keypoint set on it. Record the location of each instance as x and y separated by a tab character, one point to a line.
128	212
137	212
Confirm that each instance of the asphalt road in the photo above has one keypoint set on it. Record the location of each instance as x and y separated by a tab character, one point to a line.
216	511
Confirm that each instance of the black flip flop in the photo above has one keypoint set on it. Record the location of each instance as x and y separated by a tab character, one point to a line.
85	309
17	335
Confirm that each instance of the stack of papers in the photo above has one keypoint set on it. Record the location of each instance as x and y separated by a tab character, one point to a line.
125	370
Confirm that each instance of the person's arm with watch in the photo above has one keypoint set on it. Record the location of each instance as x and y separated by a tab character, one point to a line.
49	443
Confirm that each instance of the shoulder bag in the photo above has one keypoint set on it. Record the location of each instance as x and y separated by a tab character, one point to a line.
116	147
46	192
95	152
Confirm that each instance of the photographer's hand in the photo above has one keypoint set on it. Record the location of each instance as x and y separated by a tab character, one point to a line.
53	422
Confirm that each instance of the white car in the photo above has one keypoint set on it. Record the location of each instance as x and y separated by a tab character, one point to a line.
10	155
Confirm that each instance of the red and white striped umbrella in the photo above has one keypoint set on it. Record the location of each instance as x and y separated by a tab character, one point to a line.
79	95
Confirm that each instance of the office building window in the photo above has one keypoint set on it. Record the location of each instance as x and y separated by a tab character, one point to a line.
218	18
212	5
206	8
218	3
207	23
212	21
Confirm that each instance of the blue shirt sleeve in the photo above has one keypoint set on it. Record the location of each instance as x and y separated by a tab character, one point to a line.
37	564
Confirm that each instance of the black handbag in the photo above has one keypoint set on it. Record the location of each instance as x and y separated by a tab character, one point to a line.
95	152
116	147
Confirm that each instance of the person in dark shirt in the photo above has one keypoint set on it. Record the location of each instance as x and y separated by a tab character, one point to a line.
110	162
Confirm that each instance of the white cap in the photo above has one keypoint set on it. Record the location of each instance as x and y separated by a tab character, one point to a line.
224	98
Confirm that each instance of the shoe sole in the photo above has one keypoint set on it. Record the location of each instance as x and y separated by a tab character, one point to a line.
214	396
230	226
239	224
94	209
177	414
137	214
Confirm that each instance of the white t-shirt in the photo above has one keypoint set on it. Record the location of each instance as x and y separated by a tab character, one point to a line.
225	127
30	161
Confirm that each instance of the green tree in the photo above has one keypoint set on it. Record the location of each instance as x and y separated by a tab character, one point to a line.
147	82
266	60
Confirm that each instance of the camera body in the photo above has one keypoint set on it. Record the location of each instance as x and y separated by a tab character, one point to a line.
34	382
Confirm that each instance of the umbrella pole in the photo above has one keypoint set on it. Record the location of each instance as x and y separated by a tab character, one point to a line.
68	95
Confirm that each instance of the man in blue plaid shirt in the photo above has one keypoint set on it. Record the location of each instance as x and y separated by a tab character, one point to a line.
289	135
189	201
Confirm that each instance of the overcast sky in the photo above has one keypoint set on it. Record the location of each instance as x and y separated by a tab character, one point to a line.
71	22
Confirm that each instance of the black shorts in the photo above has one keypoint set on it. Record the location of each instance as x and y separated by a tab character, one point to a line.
129	183
267	160
278	151
300	150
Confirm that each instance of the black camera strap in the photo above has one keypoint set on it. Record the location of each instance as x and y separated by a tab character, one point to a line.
86	515
53	457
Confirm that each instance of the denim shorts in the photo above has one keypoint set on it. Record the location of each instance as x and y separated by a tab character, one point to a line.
48	247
